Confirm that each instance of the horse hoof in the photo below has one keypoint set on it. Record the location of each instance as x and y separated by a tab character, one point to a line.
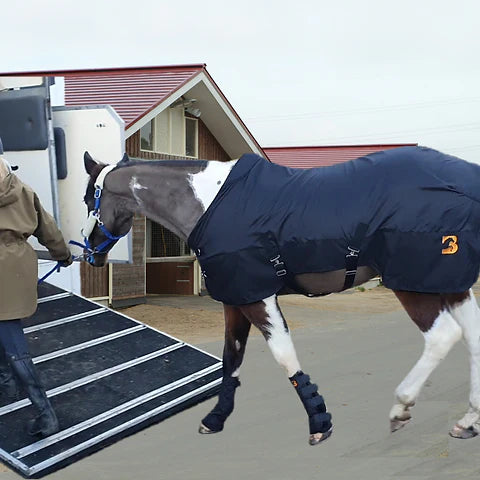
464	433
397	424
316	438
205	430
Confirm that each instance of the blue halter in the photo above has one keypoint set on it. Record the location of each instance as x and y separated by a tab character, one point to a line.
94	219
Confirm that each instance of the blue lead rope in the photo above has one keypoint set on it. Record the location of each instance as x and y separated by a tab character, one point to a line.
55	268
88	247
90	252
99	249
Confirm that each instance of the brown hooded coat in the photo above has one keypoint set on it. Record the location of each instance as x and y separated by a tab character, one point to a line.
22	215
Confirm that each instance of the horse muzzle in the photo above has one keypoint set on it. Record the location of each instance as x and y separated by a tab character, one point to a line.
96	259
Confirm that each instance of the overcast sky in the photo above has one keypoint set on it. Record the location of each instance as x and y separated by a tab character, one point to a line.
311	72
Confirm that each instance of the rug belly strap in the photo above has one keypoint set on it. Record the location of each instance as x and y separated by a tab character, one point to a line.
318	418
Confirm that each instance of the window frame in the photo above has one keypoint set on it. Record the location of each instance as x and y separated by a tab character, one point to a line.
171	140
153	126
192	119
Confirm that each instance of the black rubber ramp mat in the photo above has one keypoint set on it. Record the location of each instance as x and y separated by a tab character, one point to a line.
107	377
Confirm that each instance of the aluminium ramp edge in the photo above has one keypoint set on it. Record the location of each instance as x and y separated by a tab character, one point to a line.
107	377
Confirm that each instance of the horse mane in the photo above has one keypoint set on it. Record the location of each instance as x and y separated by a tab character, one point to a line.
165	163
139	161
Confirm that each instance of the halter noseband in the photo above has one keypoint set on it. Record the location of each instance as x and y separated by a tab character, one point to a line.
94	219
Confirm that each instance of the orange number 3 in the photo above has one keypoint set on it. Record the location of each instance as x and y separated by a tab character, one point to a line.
452	246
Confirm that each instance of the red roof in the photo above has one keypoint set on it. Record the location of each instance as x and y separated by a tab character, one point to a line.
308	157
132	92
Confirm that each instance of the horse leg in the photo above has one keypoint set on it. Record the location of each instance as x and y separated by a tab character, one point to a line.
268	318
440	330
467	314
237	328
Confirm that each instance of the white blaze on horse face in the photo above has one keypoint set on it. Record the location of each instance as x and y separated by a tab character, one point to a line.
207	183
280	342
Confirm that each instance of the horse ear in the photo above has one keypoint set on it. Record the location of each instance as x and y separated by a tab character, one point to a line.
125	158
89	163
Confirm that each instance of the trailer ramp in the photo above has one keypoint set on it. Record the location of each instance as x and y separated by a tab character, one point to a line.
106	375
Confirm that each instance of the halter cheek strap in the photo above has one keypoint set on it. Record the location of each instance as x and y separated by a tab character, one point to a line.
94	215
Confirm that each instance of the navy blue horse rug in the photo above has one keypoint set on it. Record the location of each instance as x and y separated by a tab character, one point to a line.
412	214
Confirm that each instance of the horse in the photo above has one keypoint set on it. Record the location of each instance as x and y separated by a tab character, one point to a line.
183	195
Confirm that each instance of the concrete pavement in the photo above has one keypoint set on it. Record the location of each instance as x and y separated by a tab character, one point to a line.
357	362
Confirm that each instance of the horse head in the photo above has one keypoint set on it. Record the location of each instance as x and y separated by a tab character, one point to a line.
109	219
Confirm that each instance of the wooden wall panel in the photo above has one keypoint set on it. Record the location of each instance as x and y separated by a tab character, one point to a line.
208	146
94	280
128	280
174	278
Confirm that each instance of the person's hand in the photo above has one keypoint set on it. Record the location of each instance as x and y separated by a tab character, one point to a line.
67	262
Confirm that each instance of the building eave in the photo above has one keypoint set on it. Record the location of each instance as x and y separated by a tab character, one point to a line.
217	113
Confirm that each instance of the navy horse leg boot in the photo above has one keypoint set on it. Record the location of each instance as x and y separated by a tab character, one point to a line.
319	419
46	423
215	420
8	385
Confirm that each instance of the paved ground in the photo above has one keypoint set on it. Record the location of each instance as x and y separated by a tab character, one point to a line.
357	358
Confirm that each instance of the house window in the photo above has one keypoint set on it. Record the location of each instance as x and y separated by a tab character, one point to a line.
162	132
147	137
164	243
172	133
191	137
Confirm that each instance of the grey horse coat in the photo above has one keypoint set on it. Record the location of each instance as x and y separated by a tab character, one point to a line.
412	214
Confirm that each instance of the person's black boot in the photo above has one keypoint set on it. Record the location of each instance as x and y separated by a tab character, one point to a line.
46	423
8	386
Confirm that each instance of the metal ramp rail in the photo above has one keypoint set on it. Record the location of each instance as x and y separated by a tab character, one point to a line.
106	375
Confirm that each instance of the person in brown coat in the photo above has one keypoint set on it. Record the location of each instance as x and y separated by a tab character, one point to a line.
22	215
